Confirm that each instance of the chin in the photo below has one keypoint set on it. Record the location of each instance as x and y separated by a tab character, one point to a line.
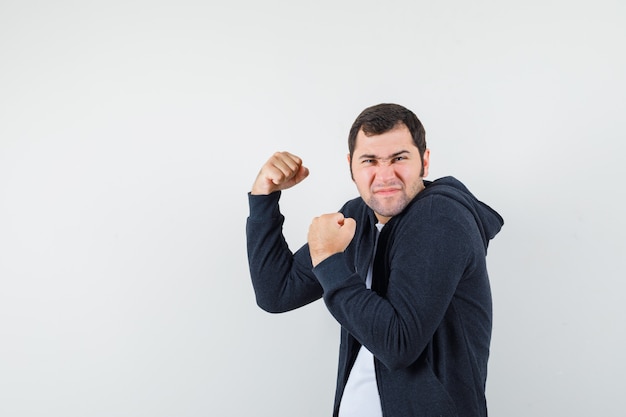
388	211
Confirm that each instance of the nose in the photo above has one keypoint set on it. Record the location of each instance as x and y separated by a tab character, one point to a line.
385	171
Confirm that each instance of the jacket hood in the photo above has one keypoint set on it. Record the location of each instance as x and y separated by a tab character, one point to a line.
488	220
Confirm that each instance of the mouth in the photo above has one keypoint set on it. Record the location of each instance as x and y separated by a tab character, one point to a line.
386	191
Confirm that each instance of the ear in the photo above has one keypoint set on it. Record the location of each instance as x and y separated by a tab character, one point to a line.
350	165
425	163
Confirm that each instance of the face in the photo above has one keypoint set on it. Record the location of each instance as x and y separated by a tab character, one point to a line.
387	170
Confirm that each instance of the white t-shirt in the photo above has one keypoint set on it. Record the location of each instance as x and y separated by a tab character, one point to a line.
360	396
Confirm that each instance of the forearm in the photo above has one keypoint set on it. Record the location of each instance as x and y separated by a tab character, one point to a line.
397	325
388	331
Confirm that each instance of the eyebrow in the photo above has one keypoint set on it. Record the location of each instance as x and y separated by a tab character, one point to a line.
372	156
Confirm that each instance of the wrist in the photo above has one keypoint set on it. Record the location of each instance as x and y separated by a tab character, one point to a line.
317	257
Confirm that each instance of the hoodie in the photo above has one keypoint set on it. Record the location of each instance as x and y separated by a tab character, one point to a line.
427	319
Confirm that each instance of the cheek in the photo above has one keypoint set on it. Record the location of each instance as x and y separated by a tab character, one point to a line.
362	179
409	174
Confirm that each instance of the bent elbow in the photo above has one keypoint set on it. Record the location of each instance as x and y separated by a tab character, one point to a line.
396	363
399	358
270	305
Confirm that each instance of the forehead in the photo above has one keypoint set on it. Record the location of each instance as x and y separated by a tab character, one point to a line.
394	140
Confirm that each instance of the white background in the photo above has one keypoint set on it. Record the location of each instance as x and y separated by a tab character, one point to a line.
131	131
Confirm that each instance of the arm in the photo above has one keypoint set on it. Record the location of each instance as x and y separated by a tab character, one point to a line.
281	279
424	273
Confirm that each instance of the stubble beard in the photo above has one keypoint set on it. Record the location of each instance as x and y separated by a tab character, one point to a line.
392	208
389	209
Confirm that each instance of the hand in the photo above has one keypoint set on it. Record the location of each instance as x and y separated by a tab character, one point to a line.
330	234
283	170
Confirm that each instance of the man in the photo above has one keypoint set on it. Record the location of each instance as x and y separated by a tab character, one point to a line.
402	269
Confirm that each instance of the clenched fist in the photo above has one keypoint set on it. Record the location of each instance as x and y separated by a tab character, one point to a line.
283	170
330	234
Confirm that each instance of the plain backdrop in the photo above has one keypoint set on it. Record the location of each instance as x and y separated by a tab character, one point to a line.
131	132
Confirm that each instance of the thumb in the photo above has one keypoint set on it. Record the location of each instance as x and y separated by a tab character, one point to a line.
349	225
302	173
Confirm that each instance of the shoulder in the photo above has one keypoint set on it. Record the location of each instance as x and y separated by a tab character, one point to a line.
355	208
443	204
446	196
434	206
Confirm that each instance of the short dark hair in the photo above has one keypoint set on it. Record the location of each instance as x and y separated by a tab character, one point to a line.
381	118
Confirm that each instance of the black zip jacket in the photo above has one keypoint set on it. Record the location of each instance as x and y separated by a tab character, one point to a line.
427	319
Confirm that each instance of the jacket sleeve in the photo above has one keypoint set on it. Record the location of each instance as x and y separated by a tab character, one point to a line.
430	251
282	280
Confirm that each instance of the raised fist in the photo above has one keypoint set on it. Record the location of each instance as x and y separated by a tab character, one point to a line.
329	234
283	170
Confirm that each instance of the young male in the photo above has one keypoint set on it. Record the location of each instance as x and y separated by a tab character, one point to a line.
402	269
